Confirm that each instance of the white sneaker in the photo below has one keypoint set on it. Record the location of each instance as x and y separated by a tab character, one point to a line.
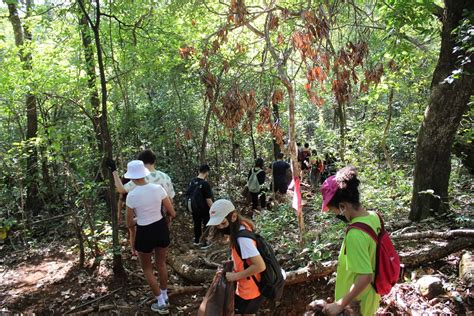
161	309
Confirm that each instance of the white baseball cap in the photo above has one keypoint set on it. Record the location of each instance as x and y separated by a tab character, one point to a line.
219	210
136	170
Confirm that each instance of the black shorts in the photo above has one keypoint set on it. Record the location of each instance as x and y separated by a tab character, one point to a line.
281	187
151	236
247	306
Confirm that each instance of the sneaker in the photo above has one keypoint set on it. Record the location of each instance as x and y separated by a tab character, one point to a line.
196	244
161	309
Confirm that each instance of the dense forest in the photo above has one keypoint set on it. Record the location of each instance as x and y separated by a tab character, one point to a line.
386	86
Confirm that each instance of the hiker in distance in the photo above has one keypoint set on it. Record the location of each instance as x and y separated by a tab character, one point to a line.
199	198
152	235
248	265
356	261
255	181
156	176
280	172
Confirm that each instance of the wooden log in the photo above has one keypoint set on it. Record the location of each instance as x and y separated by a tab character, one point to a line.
194	275
428	254
310	272
450	234
317	270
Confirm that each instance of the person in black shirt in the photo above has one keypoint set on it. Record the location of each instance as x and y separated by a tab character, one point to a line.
280	171
199	200
259	171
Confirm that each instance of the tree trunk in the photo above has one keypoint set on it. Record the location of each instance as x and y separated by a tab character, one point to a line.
91	78
106	141
276	147
252	139
388	158
205	132
341	115
447	103
23	34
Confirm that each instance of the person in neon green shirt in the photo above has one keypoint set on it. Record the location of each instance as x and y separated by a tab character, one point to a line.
356	261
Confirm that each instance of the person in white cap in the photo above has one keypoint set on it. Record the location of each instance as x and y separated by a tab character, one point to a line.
152	232
249	265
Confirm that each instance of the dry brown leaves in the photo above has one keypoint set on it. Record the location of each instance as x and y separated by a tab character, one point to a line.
273	22
186	51
236	104
277	96
237	12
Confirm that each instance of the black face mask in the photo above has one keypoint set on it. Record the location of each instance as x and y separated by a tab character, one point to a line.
342	218
225	231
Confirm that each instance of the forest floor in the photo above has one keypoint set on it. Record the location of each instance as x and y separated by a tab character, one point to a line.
46	279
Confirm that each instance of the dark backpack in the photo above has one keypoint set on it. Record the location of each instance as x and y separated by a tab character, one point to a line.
271	282
387	262
194	195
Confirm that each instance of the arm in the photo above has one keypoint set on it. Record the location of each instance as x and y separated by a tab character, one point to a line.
118	183
168	205
207	193
131	227
261	177
361	282
257	265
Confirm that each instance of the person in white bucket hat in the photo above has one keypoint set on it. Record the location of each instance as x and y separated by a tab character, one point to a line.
248	265
152	233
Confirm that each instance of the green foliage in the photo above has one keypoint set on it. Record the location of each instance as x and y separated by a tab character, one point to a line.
156	99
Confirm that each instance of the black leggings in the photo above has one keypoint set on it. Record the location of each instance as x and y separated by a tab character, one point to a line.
255	200
200	220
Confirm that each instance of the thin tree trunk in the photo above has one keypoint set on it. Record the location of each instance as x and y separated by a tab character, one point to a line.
107	150
205	132
91	78
342	130
22	36
283	75
276	147
254	149
388	158
447	103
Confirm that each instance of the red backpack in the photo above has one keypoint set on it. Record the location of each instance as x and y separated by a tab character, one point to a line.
387	262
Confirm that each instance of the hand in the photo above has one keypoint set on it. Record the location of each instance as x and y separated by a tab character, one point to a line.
134	252
334	308
110	163
231	276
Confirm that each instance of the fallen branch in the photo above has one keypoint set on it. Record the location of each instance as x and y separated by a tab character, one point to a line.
191	274
179	290
418	257
310	272
401	231
209	263
102	308
411	259
94	300
450	234
318	270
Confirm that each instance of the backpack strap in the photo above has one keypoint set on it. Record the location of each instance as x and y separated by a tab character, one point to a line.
245	234
365	228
